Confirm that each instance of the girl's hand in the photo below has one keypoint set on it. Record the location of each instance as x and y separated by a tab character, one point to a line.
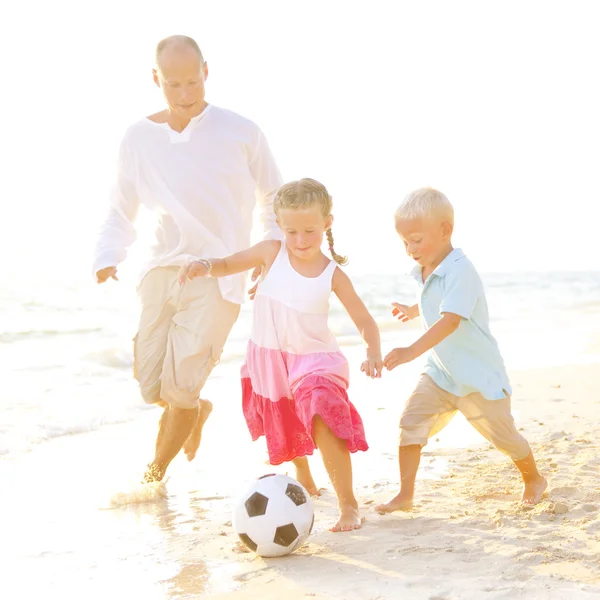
191	270
398	356
372	367
404	312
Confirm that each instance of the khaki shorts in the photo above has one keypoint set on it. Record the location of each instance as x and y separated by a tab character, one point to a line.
181	335
430	408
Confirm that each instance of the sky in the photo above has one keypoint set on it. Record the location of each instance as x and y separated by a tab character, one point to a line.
494	103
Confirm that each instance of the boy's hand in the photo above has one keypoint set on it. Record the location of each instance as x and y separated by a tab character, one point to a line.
191	270
372	367
404	312
398	356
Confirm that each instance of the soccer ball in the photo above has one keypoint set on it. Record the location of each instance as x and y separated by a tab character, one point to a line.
274	516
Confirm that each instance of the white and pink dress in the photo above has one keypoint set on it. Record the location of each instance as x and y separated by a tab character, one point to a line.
294	369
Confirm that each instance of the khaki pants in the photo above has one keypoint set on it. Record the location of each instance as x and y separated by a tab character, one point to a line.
430	408
181	335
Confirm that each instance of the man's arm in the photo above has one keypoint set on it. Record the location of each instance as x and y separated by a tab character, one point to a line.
117	232
268	180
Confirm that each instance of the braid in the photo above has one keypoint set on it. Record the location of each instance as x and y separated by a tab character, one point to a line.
340	260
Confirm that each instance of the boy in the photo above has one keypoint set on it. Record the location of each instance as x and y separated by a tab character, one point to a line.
464	370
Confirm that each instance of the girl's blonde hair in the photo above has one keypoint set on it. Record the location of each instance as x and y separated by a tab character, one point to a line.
305	193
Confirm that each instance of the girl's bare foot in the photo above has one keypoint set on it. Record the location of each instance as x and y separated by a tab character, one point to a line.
534	490
349	520
191	445
305	478
402	501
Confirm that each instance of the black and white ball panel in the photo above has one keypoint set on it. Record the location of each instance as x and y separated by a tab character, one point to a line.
274	516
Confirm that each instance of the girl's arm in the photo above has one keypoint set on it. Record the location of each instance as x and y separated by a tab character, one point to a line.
344	290
259	255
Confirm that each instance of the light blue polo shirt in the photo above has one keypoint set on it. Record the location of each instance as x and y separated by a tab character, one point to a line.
469	359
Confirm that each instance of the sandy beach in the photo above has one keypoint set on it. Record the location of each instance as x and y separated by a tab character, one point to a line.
467	537
94	532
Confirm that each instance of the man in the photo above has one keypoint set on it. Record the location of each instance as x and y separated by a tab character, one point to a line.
201	169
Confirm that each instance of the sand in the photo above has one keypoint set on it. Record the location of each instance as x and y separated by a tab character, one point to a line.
467	537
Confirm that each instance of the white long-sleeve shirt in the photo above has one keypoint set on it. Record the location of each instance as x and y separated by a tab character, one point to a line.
204	184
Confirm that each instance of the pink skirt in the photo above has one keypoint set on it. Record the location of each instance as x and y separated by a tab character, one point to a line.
287	424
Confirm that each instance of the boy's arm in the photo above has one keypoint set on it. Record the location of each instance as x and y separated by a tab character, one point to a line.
361	317
259	255
462	291
404	312
438	332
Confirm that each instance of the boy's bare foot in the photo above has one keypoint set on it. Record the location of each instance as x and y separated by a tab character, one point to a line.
349	520
191	445
399	502
534	490
305	478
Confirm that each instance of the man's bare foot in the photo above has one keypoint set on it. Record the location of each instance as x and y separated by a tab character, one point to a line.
191	445
533	491
153	473
349	520
399	502
305	478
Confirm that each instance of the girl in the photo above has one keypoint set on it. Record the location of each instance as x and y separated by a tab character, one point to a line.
295	377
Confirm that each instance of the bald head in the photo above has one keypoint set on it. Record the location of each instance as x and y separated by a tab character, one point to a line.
176	45
180	72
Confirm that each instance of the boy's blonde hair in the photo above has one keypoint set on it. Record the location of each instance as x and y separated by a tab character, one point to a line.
305	193
428	203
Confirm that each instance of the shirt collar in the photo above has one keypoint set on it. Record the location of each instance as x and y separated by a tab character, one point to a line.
193	122
199	117
454	256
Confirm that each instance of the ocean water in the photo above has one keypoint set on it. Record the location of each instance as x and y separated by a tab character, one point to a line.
65	347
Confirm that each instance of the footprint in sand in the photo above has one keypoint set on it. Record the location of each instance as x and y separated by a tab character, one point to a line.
593	527
470	558
560	508
243	577
565	492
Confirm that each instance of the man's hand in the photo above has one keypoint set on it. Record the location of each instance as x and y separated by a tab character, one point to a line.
372	367
191	270
103	274
398	356
405	313
255	275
